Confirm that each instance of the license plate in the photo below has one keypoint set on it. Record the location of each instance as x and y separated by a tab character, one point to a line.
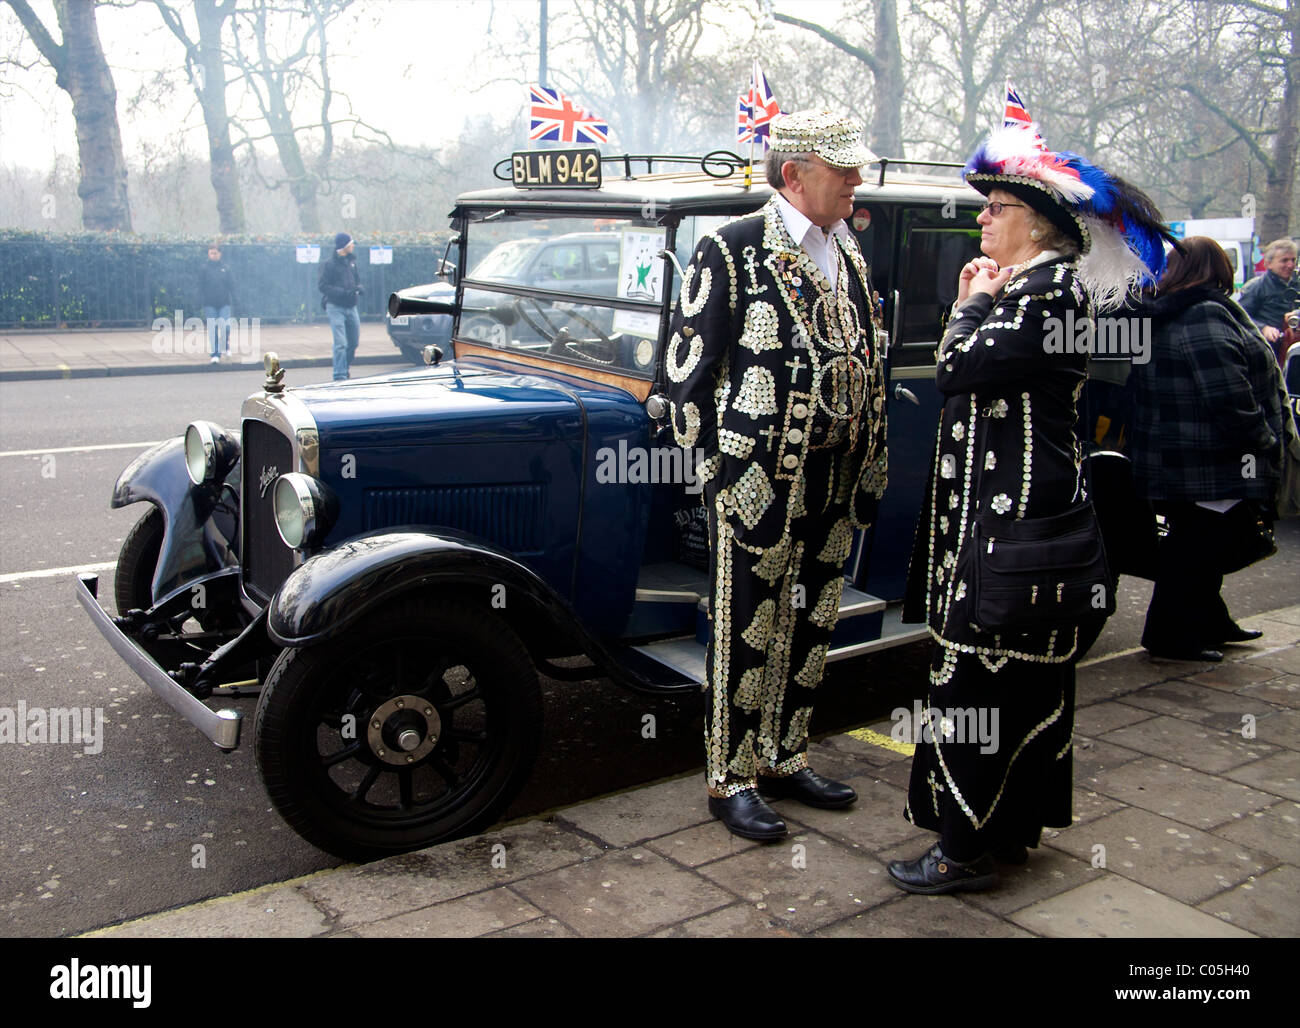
404	319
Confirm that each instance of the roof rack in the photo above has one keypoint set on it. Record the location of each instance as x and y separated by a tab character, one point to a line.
884	162
717	164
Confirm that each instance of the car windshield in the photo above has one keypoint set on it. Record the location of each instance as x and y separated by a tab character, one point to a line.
586	291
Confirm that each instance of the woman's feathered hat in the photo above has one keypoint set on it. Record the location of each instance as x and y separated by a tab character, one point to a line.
1116	225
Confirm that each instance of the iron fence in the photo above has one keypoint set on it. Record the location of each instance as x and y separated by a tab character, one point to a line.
94	283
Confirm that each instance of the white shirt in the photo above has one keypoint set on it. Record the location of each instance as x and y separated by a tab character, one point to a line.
817	244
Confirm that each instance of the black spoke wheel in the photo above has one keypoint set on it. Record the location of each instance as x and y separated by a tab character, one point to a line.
418	724
136	564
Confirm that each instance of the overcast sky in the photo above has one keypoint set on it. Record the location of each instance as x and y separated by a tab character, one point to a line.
416	72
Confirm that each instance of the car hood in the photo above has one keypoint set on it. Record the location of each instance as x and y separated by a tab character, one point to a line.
448	404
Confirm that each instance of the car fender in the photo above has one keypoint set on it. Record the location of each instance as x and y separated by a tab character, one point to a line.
192	545
324	596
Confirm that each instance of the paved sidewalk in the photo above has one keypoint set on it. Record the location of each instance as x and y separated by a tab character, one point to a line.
1187	823
137	351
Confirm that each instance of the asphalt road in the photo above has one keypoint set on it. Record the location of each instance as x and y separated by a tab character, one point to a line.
159	818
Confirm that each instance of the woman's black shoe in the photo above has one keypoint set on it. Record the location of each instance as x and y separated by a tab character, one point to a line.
1237	634
746	815
933	873
807	786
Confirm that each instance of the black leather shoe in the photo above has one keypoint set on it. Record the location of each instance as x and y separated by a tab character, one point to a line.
746	815
1206	656
1237	634
933	873
807	786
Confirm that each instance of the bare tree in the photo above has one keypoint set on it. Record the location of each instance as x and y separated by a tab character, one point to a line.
281	48
205	66
884	59
81	70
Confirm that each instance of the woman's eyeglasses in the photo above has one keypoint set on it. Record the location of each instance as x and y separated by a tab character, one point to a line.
995	209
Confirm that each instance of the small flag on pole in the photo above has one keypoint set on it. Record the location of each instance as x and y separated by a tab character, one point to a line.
555	117
1015	114
755	110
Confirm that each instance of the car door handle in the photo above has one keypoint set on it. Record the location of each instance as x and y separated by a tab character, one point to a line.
900	393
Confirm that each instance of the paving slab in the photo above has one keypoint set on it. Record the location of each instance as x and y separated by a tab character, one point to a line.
277	911
926	917
627	818
624	893
738	921
1099	718
872	752
541	928
1186	742
1274	830
1278	774
1215	708
875	822
462	918
1088	805
1180	861
1118	676
412	881
1231	674
1182	793
701	844
898	774
1266	905
1284	691
832	884
1281	728
1093	756
1284	659
1115	908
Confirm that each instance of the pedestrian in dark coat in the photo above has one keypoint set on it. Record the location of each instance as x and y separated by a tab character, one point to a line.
341	289
992	765
217	290
1207	429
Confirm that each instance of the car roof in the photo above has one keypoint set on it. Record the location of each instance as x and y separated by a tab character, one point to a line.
695	192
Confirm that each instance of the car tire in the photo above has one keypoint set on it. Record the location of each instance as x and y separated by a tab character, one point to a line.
412	356
332	718
136	564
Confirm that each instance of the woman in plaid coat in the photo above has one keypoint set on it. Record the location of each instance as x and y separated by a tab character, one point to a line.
1207	429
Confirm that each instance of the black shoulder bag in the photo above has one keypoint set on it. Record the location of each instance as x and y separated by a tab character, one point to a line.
1039	573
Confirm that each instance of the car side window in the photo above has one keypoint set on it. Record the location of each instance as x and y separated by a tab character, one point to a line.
934	249
559	263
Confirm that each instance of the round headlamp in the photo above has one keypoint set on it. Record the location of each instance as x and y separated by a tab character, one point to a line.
210	452
305	509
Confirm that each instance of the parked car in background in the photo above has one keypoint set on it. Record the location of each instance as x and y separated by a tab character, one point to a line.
411	333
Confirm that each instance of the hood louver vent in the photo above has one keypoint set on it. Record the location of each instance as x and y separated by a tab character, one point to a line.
509	516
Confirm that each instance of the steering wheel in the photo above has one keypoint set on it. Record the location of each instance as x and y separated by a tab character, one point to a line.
604	351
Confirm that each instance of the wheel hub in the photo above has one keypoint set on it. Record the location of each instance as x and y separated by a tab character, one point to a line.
403	730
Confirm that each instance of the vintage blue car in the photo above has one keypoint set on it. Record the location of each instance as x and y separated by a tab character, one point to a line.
388	563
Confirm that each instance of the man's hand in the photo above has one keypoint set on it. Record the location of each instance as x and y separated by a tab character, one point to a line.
1271	334
965	281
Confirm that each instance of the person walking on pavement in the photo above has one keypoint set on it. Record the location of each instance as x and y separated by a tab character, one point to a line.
776	380
217	290
341	288
1269	297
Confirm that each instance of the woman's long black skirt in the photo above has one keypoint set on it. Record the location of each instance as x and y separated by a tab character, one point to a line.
993	762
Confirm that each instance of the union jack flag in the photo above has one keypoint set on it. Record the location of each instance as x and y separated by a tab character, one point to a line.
755	110
556	117
1015	114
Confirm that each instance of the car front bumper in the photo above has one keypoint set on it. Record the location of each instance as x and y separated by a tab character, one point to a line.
221	727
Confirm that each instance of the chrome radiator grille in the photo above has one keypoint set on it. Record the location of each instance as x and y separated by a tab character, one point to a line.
266	561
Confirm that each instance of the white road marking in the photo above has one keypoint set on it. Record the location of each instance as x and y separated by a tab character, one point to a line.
78	449
21	576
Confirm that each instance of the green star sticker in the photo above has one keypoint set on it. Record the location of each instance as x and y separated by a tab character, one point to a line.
642	270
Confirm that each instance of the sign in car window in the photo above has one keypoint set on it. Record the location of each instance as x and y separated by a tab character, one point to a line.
640	277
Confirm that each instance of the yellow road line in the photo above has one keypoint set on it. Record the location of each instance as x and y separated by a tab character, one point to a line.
883	741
